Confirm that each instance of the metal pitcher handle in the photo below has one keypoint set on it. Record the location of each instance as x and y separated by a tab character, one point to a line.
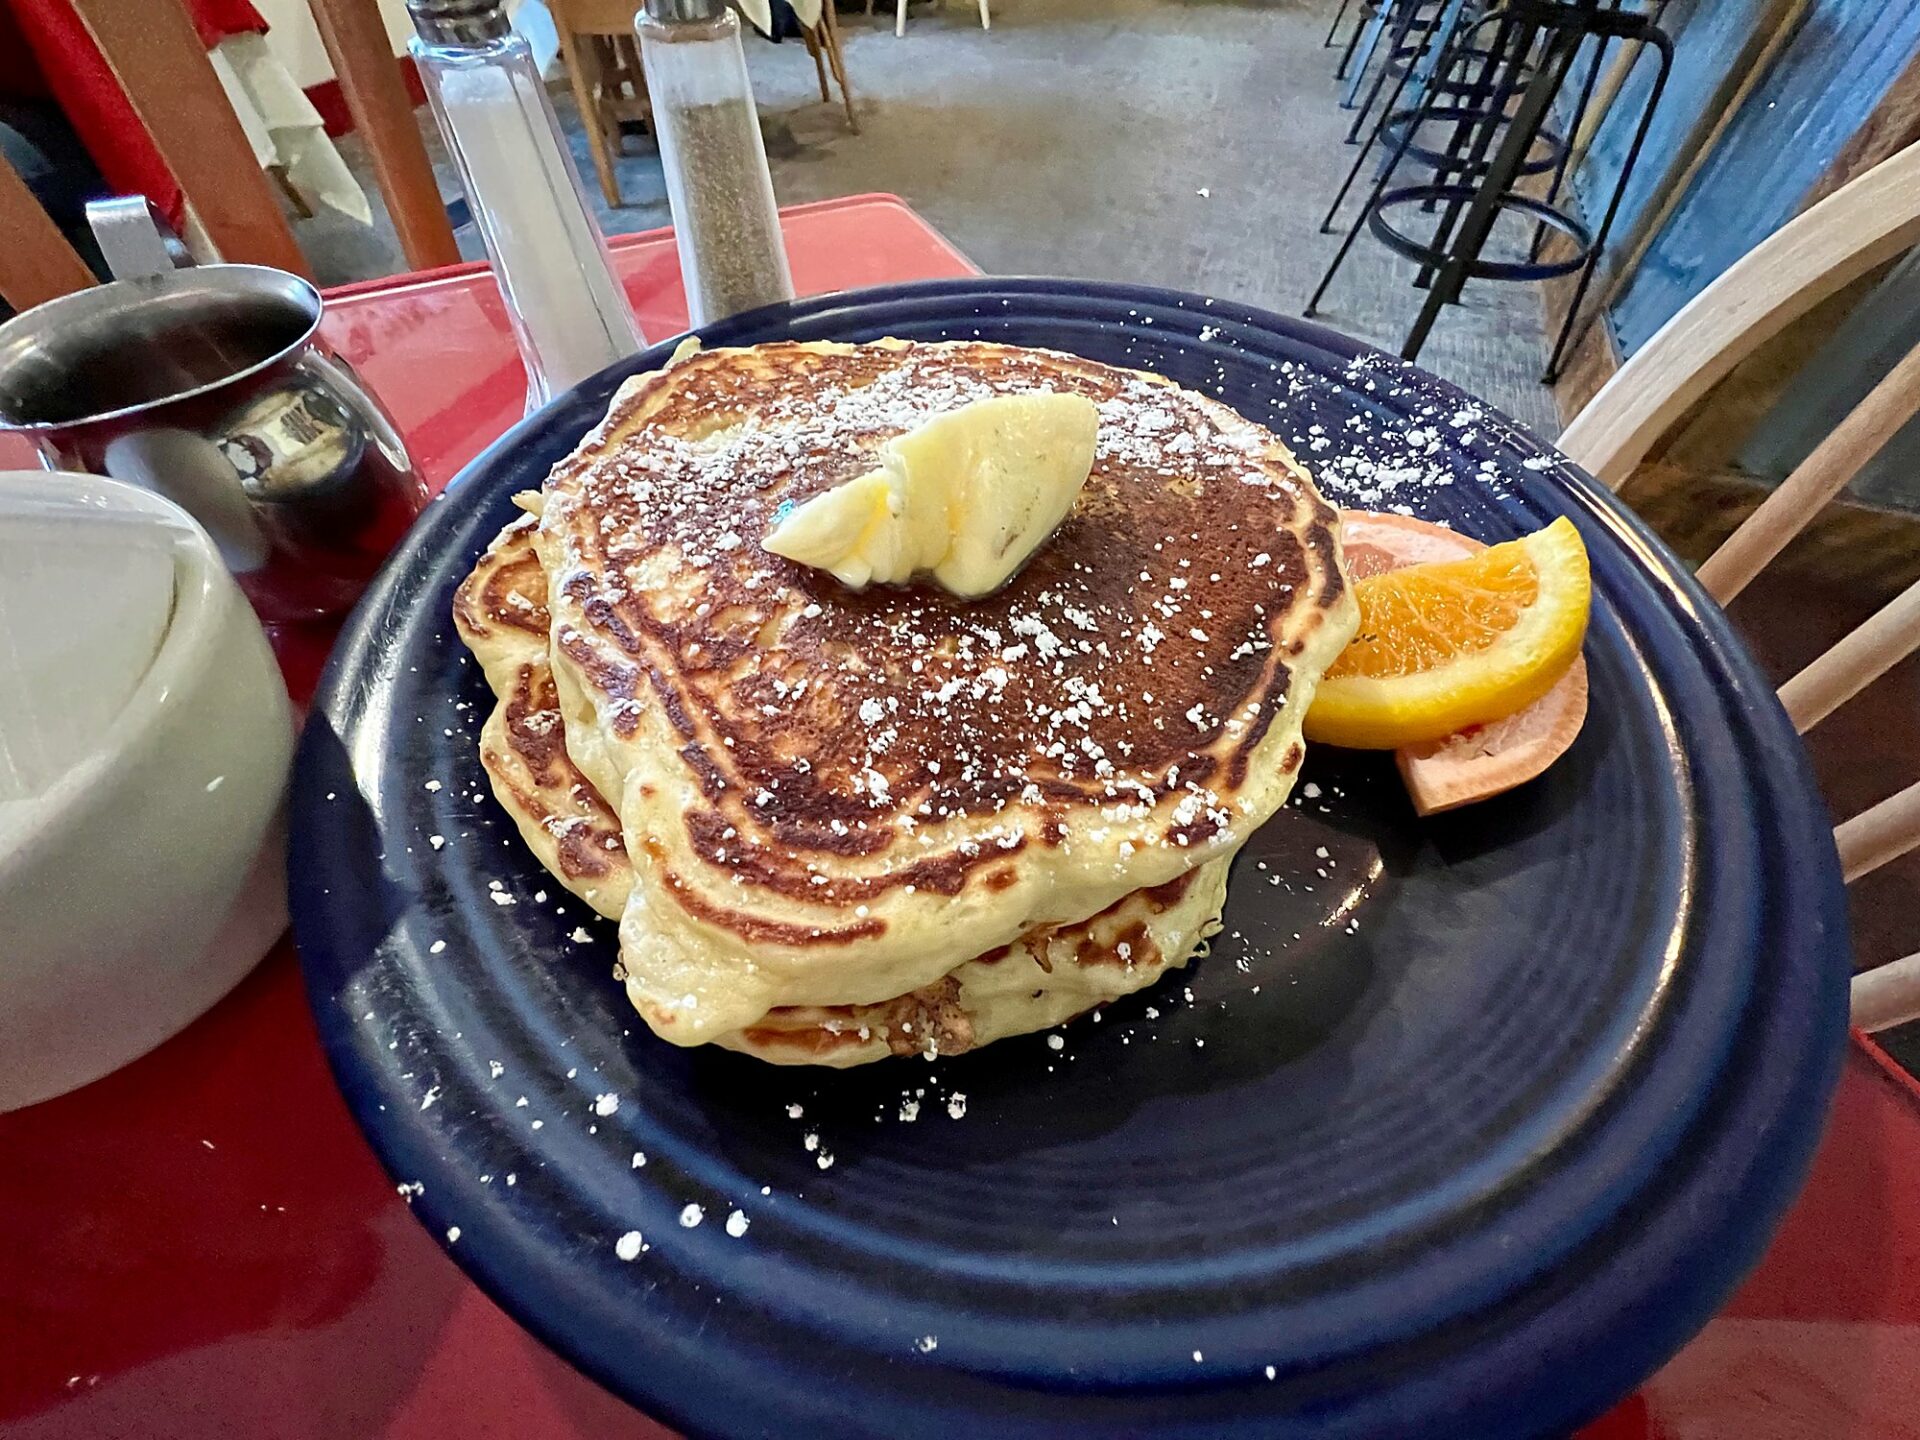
134	239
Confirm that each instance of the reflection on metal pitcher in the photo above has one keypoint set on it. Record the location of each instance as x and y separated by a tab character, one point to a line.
210	386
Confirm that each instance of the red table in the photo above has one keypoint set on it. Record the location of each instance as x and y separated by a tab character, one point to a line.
203	1246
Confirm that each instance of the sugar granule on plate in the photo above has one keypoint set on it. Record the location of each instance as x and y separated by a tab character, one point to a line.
957	1104
436	947
453	1233
1055	1042
926	1344
604	1105
639	1159
691	1216
627	1247
737	1223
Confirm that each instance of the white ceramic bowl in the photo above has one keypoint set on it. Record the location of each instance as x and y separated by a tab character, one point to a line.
145	740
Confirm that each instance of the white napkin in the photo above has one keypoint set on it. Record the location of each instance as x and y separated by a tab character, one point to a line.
284	128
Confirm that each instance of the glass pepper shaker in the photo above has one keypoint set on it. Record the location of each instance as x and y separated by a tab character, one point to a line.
569	312
724	217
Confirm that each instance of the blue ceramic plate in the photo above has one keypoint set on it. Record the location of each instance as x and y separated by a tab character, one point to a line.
1464	1126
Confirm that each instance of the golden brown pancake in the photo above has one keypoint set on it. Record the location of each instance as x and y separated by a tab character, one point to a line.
500	611
837	798
1043	978
1047	976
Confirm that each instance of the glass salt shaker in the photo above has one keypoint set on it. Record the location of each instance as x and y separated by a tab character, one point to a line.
569	312
724	217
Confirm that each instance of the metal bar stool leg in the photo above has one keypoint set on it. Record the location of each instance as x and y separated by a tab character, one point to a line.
1652	35
1334	28
1507	59
1376	27
1602	43
1353	231
1430	62
1411	21
1359	161
1464	248
1480	88
1353	43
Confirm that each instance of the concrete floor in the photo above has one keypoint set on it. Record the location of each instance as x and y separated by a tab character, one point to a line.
1186	143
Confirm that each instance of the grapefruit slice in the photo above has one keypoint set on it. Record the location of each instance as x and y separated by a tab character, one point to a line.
1482	760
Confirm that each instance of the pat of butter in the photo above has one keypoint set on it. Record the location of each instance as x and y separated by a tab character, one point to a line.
965	498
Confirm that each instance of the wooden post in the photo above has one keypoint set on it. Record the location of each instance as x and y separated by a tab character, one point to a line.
156	55
376	95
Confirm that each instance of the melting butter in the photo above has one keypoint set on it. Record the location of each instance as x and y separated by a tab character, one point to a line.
966	498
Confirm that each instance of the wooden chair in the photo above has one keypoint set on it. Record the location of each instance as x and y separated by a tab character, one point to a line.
900	16
233	211
1842	239
603	67
823	44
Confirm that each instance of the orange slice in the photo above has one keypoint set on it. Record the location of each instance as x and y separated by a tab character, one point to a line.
1482	760
1451	643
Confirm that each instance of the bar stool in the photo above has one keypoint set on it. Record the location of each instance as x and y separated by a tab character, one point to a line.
1493	86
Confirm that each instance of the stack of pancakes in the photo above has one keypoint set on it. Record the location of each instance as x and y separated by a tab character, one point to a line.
836	826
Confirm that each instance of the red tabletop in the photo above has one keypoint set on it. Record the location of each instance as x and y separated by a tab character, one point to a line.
203	1246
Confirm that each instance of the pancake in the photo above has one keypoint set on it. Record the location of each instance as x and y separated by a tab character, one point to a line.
500	611
1044	978
837	799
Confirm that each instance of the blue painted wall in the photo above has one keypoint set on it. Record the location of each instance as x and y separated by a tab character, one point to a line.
1829	79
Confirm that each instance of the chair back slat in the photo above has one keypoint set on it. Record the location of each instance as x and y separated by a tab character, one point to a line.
36	262
1874	836
1855	663
1815	481
1842	239
1888	995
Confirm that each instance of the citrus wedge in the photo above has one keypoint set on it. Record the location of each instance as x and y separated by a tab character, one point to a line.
1480	761
1453	643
